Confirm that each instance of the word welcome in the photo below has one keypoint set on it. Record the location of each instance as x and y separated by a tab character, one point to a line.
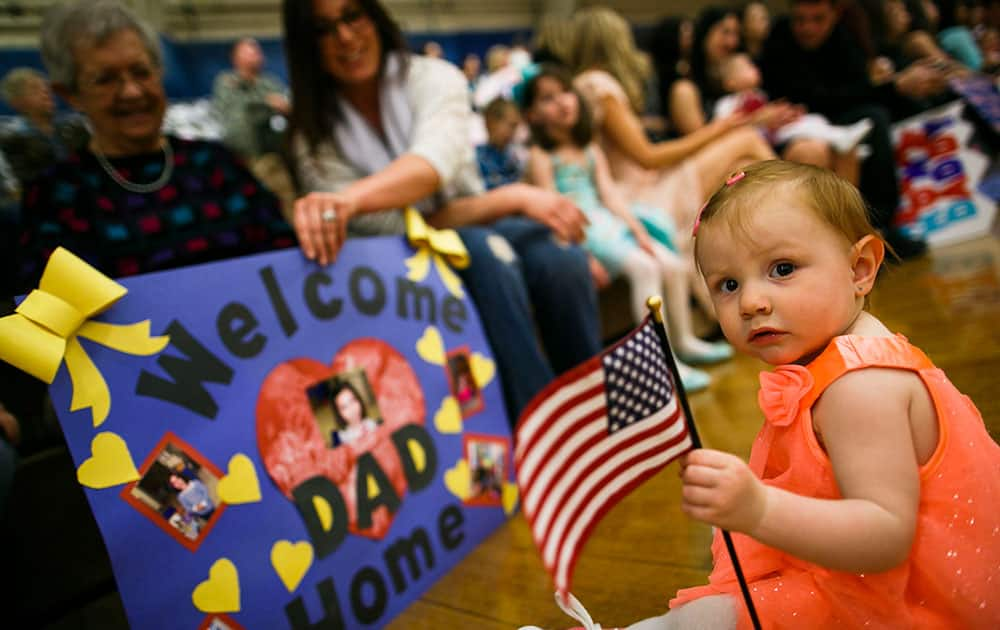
239	331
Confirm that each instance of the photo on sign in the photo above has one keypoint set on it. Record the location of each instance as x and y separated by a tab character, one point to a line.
487	456
178	491
462	382
217	621
345	409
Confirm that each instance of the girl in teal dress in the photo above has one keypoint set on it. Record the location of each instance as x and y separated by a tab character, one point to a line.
633	241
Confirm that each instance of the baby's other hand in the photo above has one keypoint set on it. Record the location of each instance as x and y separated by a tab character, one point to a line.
720	489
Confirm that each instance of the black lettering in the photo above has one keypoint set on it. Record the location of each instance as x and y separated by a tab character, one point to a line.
285	317
186	389
368	613
324	541
418	295
367	305
384	493
453	313
405	548
449	521
408	439
310	291
235	323
332	619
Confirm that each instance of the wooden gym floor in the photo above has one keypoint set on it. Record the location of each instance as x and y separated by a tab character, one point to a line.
947	303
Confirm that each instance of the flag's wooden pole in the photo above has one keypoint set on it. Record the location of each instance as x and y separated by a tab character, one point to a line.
654	304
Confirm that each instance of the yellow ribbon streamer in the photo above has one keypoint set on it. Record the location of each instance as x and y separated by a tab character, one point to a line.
44	330
444	247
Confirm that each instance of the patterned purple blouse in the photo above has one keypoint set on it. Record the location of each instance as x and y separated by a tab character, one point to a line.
211	208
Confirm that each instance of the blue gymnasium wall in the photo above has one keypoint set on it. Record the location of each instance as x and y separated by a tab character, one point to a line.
191	67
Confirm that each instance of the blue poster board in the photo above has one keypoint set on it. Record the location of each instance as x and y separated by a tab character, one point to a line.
314	443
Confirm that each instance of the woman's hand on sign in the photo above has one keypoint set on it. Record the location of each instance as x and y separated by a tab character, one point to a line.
320	221
559	213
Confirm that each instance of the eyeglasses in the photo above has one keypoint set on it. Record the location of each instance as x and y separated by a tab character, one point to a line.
111	81
351	18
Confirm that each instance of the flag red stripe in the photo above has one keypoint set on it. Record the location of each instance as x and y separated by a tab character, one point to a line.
560	424
534	423
557	479
572	506
573	445
596	462
563	576
620	471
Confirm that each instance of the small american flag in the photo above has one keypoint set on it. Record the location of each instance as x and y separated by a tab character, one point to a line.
591	437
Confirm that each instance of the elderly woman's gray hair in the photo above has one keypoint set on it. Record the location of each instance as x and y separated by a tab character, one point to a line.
68	25
13	84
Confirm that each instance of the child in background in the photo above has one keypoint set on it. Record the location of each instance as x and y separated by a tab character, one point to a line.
871	495
498	163
631	241
741	80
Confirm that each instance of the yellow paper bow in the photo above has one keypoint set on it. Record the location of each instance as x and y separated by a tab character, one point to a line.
45	328
444	247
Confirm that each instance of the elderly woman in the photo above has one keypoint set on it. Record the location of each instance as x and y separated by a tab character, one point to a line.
375	129
134	200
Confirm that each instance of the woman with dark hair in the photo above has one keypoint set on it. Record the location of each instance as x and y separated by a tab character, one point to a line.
375	129
716	38
756	25
669	46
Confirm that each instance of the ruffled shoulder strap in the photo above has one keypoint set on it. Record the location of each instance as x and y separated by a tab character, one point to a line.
853	352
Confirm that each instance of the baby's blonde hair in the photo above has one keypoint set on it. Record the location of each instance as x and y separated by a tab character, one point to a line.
834	200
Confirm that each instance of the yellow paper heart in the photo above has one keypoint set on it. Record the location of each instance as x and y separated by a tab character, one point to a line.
448	418
110	464
509	497
456	479
430	346
291	562
221	591
483	370
240	485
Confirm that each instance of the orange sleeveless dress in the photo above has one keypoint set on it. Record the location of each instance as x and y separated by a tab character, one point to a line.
951	578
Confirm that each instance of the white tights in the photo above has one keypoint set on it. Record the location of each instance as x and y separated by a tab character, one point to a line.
715	612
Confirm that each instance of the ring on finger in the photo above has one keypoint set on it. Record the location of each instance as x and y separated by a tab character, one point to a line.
329	216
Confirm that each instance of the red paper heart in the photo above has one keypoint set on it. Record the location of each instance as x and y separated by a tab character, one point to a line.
292	447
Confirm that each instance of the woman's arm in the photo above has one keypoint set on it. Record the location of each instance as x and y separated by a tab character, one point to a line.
407	179
622	125
865	425
550	208
686	110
